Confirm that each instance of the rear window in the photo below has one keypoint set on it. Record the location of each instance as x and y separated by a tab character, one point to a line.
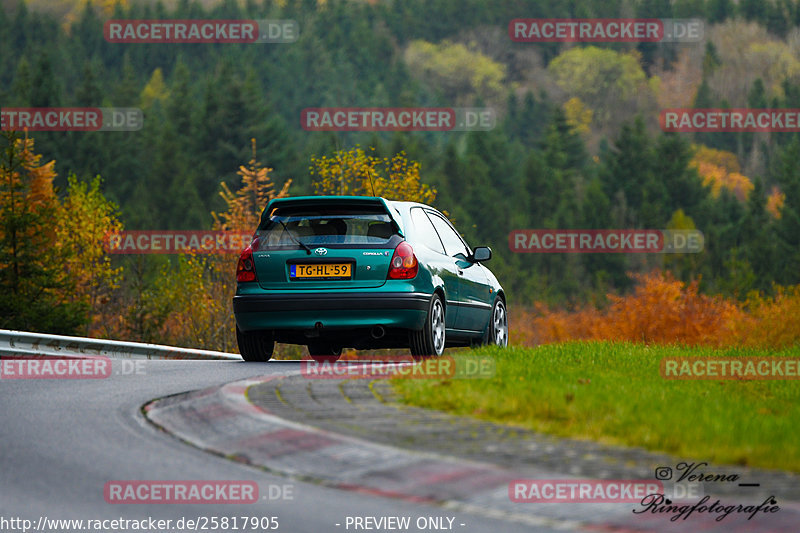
324	226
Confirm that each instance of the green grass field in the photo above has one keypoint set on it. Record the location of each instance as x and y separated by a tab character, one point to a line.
614	393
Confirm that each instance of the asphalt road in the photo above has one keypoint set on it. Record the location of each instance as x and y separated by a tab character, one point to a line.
62	440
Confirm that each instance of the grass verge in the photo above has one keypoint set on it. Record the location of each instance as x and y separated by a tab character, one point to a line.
614	393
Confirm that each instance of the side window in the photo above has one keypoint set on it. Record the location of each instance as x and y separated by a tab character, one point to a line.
425	231
452	242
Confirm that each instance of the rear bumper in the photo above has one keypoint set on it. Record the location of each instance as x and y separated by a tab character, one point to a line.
345	310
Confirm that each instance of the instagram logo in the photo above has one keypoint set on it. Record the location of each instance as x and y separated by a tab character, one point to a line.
663	473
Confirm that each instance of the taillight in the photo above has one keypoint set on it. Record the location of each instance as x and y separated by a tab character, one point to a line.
246	270
404	263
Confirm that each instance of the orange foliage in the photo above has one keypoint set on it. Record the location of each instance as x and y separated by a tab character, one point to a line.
771	322
721	158
661	310
679	81
664	310
246	204
34	178
775	202
27	204
719	169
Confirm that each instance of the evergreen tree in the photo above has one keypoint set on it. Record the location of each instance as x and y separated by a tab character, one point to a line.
87	33
684	188
563	147
527	123
6	59
89	149
754	10
608	271
787	269
758	238
684	9
651	52
21	88
45	89
746	142
33	286
711	60
542	188
719	10
629	179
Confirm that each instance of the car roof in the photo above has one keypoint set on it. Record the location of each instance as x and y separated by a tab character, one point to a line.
398	205
395	208
408	205
347	199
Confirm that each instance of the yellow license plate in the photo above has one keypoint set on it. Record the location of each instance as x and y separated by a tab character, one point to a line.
317	271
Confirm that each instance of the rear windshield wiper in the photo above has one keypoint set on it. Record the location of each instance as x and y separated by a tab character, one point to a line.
295	239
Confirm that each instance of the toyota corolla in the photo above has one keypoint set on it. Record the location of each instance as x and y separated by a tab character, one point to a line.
333	272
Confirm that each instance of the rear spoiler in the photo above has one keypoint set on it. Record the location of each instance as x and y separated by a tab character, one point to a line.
355	201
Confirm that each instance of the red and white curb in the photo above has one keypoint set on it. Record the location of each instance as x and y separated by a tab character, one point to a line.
222	420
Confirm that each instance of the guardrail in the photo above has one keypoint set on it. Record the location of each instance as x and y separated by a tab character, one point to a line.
43	345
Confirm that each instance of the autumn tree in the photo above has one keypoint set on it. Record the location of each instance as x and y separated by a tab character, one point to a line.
244	206
745	52
353	172
188	304
83	222
605	81
579	117
459	73
720	169
34	286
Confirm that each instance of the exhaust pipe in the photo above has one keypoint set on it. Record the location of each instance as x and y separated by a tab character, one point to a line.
313	333
378	332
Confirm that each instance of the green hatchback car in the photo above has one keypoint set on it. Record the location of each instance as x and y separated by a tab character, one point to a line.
333	272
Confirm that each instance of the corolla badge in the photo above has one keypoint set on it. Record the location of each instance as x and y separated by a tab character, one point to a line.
321	251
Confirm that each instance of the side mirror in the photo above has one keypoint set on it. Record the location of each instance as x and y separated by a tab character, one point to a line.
481	253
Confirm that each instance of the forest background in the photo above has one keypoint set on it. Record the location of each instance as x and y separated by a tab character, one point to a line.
577	145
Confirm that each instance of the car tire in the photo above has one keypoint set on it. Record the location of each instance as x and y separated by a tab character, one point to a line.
322	353
430	340
255	346
497	330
